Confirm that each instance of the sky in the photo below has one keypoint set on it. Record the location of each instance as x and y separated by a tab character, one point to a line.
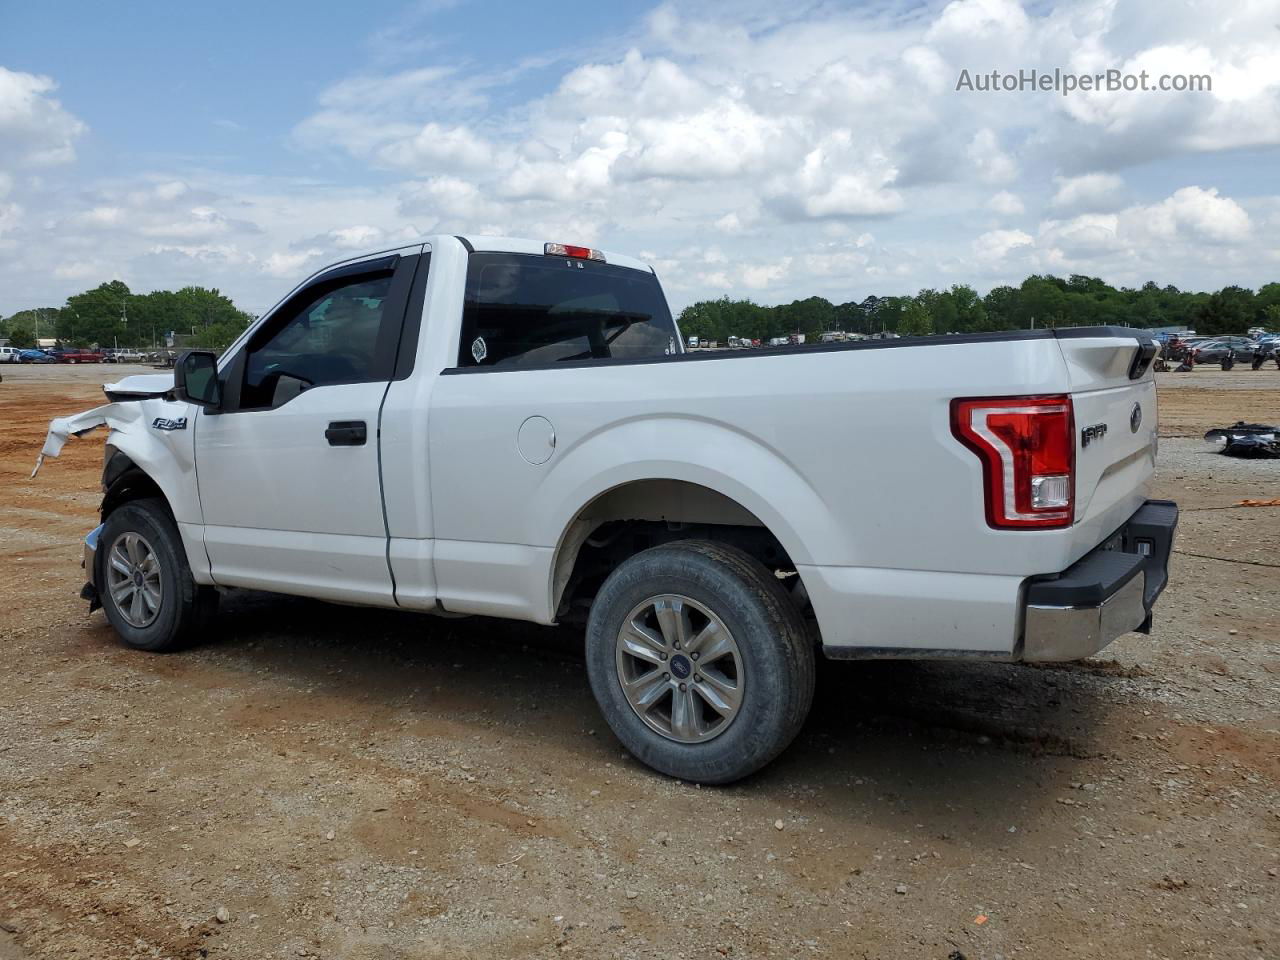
748	149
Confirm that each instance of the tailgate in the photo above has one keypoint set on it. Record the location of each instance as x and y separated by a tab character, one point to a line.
1113	395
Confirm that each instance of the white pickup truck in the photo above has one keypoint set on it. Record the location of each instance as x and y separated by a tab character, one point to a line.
513	429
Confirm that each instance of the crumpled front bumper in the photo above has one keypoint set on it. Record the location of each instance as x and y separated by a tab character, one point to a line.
1108	592
90	590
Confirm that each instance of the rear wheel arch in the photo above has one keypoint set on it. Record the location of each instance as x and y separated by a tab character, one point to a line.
635	516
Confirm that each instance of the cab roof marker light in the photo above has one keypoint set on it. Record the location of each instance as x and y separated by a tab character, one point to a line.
569	250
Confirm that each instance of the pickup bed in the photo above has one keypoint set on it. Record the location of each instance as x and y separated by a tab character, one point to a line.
513	429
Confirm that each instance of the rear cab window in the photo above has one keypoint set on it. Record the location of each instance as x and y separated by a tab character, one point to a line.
526	311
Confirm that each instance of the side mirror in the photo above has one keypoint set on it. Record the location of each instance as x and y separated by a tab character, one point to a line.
195	378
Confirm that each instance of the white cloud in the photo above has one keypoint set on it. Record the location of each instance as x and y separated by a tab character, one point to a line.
35	130
763	275
1193	223
996	245
291	264
436	146
1091	191
362	237
1201	213
1006	204
992	164
10	217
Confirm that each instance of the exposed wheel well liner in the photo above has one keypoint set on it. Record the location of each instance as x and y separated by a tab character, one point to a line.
124	481
635	516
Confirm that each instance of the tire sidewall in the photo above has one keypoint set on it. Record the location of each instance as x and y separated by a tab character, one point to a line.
763	725
175	578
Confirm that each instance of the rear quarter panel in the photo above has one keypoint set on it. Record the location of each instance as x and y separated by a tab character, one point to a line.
847	456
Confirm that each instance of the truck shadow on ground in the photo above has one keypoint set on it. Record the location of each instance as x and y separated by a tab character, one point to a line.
895	742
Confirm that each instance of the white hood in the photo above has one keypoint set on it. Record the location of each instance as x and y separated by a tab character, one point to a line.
139	385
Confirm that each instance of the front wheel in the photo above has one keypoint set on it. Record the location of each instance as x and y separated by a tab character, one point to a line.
144	580
699	660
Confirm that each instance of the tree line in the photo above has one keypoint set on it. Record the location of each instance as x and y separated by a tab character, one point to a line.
111	315
1039	301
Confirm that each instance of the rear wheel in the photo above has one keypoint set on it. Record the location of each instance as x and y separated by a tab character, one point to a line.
144	580
699	660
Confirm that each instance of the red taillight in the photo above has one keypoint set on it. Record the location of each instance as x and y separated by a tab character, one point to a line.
569	250
1028	453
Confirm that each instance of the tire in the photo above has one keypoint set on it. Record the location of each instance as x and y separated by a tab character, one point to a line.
696	585
170	612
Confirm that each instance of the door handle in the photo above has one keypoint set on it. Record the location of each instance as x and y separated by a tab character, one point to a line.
347	433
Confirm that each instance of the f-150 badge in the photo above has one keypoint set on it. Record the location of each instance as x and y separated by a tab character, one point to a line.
162	423
1089	434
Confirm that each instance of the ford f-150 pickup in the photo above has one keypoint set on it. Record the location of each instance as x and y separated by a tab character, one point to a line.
514	429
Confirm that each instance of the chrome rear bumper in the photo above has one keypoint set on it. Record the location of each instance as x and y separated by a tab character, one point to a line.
1055	633
1105	594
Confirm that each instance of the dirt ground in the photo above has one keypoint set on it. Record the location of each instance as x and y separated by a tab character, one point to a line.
327	782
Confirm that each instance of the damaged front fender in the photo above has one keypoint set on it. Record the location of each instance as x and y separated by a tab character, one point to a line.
61	429
156	435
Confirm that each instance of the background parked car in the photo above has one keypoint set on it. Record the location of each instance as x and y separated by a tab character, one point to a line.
78	355
10	355
36	356
1216	350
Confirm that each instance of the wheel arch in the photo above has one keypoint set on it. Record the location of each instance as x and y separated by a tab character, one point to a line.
648	510
128	475
124	481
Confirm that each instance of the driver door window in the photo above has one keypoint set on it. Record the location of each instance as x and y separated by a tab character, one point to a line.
338	335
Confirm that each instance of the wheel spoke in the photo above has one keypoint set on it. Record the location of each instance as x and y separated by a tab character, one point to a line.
646	690
643	646
132	548
673	619
640	649
136	612
712	643
150	597
120	564
723	695
686	715
121	592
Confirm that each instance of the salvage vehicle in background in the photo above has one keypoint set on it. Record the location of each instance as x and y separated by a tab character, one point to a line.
76	355
513	428
36	356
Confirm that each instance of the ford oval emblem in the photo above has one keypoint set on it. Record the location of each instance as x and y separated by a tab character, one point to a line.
1135	418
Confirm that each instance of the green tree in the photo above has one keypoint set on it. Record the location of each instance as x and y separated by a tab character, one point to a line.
1229	311
970	313
20	335
1042	303
39	320
95	317
1002	306
915	320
